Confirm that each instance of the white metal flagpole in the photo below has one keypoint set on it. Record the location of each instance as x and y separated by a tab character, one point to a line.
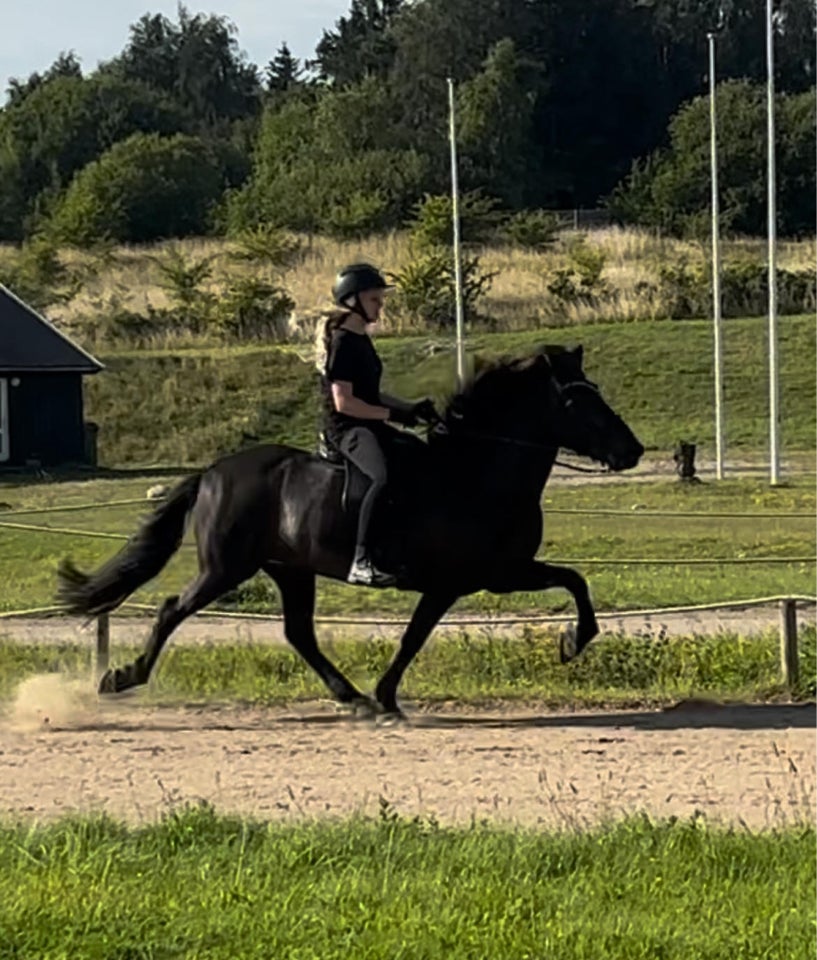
455	212
774	386
716	266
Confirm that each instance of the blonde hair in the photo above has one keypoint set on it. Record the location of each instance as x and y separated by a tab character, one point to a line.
323	337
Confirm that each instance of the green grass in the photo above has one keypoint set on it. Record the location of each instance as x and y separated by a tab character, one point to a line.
199	885
28	560
189	406
467	667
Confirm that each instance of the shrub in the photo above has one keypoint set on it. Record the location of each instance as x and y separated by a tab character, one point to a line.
581	280
426	289
38	276
267	244
686	289
531	229
144	188
251	307
431	224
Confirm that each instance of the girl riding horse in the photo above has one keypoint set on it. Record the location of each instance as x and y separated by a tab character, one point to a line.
356	413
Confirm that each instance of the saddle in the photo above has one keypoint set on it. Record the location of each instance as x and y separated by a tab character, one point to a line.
355	482
401	458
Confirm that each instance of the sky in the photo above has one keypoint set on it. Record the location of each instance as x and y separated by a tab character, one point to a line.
34	32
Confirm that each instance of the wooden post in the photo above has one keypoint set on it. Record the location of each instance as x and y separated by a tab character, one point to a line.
103	642
789	666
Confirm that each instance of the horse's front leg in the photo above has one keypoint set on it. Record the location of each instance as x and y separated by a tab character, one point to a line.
426	615
536	575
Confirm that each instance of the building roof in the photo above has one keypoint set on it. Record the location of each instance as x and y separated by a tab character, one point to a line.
29	343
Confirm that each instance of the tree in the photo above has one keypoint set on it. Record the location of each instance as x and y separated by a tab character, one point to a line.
671	189
361	44
198	63
66	65
61	126
495	111
320	166
144	188
284	72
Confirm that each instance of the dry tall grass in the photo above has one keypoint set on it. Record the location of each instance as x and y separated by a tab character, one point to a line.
128	278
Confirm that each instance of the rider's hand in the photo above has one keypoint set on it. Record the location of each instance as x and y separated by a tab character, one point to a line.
426	411
408	418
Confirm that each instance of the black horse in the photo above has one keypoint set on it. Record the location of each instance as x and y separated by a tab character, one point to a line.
465	515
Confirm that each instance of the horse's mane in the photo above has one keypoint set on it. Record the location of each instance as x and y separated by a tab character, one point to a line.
491	374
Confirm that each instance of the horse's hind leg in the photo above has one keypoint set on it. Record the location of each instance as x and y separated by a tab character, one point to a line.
298	600
208	586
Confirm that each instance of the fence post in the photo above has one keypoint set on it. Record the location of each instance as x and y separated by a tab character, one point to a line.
103	642
789	666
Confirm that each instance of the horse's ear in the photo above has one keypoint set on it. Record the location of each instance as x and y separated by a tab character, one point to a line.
578	354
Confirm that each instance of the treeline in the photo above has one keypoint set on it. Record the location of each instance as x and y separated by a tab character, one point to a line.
561	105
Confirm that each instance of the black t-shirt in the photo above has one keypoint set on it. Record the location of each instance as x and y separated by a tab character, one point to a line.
351	358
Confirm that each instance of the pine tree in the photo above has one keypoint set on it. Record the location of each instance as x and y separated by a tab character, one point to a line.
284	71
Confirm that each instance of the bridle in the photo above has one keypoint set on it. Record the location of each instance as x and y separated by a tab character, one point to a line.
561	390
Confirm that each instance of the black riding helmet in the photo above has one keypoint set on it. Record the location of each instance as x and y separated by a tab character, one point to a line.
354	280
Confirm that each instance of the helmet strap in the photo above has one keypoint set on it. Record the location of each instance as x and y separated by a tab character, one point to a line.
358	309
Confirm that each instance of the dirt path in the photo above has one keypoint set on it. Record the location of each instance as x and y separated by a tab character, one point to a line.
743	764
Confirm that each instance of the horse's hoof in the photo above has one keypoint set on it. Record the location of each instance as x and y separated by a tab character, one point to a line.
107	682
568	644
361	707
117	680
391	718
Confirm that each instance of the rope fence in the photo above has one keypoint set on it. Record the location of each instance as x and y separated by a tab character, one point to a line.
576	511
789	653
581	561
787	604
455	621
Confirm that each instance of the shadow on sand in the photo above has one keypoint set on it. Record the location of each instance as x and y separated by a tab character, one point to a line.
691	714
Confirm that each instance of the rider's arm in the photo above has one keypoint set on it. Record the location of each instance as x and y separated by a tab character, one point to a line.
395	403
350	405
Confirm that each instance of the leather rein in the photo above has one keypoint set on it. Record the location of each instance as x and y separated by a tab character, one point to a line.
561	389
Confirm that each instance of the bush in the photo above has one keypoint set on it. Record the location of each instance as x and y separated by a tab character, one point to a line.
182	278
267	244
145	188
686	289
581	281
37	276
251	307
432	222
531	229
426	289
357	215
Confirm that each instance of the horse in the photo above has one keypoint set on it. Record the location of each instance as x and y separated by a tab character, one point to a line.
465	515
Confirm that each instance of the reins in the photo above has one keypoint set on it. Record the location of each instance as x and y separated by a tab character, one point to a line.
514	441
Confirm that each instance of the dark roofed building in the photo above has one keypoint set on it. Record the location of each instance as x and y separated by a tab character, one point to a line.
41	406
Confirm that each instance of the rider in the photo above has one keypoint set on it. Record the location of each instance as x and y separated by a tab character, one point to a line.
356	412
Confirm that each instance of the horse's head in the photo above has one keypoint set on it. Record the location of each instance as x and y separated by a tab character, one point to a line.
582	420
545	400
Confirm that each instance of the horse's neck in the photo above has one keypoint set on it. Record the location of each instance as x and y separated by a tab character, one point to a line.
513	474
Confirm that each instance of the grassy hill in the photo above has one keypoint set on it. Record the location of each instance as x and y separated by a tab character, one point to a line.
188	406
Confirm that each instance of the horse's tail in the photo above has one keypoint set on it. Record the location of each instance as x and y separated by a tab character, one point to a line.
136	563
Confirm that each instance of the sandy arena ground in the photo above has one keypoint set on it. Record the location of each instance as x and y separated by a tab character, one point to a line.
62	750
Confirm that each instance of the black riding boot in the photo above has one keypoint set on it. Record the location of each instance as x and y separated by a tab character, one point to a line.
363	571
